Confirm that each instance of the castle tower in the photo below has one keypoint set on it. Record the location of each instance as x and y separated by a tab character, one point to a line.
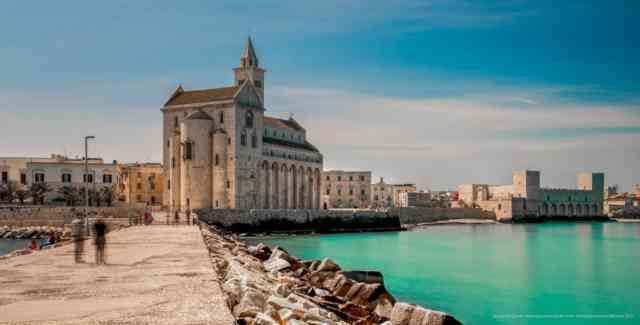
196	165
593	182
250	69
526	184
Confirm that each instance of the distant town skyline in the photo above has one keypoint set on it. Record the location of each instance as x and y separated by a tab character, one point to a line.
439	93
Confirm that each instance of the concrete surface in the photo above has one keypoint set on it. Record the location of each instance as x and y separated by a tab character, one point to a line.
154	275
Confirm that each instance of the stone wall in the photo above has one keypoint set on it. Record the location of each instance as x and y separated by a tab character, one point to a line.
321	221
59	216
424	215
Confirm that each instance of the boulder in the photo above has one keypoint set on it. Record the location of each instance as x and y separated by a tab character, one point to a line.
365	276
282	254
262	319
408	314
260	251
328	265
282	290
284	303
251	303
275	264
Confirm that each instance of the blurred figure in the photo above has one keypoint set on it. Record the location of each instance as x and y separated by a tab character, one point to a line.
100	231
34	245
176	217
188	216
77	235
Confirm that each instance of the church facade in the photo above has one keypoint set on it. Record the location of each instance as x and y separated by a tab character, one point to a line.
221	151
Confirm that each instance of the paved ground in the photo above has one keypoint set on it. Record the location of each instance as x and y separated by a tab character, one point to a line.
154	275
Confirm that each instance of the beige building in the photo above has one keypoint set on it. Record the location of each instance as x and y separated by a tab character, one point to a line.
221	151
414	199
61	171
141	184
385	195
346	189
14	169
525	198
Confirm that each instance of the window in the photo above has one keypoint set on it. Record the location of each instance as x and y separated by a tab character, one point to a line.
221	117
23	179
66	178
350	191
168	144
362	178
173	162
243	139
228	184
139	198
240	81
362	192
188	151
139	186
339	192
39	177
217	160
258	83
153	200
254	140
87	178
328	191
328	178
339	178
248	119
350	178
168	184
5	177
175	122
217	204
106	178
152	186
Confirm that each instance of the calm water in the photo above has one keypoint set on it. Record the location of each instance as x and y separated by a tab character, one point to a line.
500	274
9	245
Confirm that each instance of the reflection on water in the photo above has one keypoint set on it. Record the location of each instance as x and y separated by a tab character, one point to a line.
476	272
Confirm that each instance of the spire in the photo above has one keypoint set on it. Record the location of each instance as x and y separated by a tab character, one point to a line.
249	58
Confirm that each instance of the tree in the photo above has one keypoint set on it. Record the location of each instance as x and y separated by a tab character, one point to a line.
71	195
8	191
107	195
22	195
38	192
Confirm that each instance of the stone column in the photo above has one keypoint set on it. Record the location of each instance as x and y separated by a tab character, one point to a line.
266	184
274	186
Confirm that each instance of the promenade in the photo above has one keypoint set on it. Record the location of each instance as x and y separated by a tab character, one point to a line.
154	275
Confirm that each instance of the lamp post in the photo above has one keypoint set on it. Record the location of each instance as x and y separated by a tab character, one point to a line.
86	179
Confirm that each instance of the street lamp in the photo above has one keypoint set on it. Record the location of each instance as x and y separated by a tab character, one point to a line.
86	179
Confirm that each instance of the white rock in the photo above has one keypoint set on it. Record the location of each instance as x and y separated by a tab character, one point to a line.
276	264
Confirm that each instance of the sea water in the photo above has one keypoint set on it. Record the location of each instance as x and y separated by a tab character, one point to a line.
9	245
551	273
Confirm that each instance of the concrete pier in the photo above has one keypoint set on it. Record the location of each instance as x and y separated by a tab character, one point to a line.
154	275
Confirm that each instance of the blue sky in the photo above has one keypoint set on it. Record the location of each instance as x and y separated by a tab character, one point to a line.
435	92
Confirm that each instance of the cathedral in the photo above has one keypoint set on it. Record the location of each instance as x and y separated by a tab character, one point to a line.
221	151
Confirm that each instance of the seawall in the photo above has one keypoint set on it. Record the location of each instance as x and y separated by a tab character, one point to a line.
60	216
318	221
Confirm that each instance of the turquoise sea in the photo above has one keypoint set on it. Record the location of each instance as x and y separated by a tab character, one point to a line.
9	245
551	273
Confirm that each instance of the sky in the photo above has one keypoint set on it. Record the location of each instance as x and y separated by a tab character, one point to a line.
438	93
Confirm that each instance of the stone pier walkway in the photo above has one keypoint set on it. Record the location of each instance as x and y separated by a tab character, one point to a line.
154	275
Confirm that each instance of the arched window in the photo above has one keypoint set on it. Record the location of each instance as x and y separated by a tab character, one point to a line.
254	140
249	119
221	117
188	151
175	122
217	160
243	138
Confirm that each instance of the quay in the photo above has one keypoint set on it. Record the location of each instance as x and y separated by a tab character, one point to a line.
154	275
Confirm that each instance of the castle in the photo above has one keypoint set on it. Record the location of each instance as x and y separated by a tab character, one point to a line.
525	198
221	151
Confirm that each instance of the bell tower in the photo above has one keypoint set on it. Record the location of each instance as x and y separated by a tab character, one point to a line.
250	70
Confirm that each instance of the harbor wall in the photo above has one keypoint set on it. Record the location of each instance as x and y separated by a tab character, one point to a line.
409	216
60	216
301	220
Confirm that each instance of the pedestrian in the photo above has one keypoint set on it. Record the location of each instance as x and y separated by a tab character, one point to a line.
176	217
188	216
100	231
77	234
168	216
34	245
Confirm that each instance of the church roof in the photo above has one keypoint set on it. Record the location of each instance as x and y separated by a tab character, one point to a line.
181	97
305	146
282	124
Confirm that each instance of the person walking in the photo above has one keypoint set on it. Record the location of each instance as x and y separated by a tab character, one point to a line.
100	232
77	235
188	216
176	217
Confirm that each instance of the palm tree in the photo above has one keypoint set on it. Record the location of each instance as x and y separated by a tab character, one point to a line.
8	191
38	192
70	194
107	195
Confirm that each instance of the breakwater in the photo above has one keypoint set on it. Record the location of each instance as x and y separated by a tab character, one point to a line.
17	216
267	285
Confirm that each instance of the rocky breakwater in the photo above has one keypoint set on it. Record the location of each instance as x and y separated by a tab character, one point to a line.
266	286
38	232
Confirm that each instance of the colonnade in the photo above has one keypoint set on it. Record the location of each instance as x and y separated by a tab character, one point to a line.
288	186
570	209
